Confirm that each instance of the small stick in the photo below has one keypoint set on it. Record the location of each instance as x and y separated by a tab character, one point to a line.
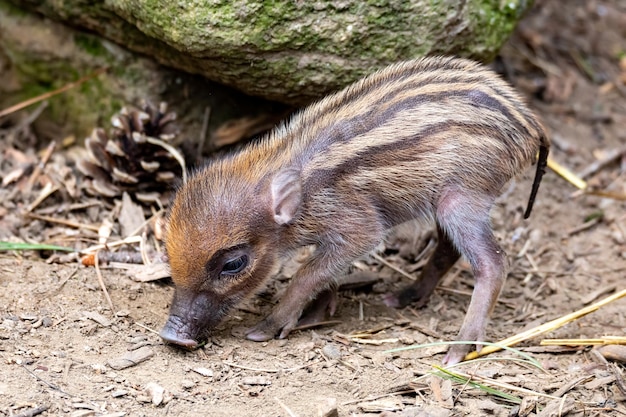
607	194
125	241
271	371
47	190
68	223
49	94
282	404
583	227
605	340
204	131
395	268
146	328
596	166
546	327
33	412
572	178
101	281
40	166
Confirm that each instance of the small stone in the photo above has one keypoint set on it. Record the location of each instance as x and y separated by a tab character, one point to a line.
328	408
187	384
204	372
331	351
156	393
131	358
256	380
119	393
98	318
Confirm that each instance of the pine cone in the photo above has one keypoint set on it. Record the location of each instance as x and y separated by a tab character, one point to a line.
128	159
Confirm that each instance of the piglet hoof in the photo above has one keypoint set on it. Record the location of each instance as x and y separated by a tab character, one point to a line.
392	300
268	328
457	353
257	334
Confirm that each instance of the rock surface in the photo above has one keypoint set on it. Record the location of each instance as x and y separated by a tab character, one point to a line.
292	51
38	55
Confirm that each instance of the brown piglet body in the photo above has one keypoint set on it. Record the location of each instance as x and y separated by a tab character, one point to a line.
433	139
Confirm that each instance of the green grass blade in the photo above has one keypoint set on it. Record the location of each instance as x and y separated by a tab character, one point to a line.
20	246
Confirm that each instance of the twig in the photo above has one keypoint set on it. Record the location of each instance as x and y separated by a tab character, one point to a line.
564	172
54	387
126	241
282	404
101	281
271	371
596	166
49	94
33	412
204	131
607	194
583	227
146	328
40	166
605	340
395	268
47	190
546	327
378	397
68	223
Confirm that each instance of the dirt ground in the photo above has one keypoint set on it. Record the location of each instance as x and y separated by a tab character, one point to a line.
61	345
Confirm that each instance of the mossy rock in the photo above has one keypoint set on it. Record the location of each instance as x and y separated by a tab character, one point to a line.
292	51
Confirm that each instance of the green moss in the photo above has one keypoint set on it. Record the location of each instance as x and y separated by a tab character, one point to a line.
91	45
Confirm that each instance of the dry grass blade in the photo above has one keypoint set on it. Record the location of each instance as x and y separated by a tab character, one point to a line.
546	327
486	384
49	94
564	172
606	340
607	194
68	223
392	266
101	282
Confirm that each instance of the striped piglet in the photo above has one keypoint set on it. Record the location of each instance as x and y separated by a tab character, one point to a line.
432	139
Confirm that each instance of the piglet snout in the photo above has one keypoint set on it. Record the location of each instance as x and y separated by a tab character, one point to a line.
174	333
193	315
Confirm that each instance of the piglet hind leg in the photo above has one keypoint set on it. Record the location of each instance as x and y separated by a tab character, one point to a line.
438	265
464	217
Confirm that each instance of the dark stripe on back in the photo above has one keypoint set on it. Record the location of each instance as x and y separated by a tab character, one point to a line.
367	159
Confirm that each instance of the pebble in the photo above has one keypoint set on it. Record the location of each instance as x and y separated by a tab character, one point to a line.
204	372
155	392
187	384
132	358
119	393
331	351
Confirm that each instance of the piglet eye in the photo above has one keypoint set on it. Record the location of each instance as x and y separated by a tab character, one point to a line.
234	266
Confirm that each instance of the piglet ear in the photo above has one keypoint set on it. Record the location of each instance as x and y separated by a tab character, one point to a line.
286	195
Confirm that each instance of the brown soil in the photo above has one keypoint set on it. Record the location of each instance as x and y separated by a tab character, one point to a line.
59	338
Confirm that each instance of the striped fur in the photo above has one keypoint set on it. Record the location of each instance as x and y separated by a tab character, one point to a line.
390	148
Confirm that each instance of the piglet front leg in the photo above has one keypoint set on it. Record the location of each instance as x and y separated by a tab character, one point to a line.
315	276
